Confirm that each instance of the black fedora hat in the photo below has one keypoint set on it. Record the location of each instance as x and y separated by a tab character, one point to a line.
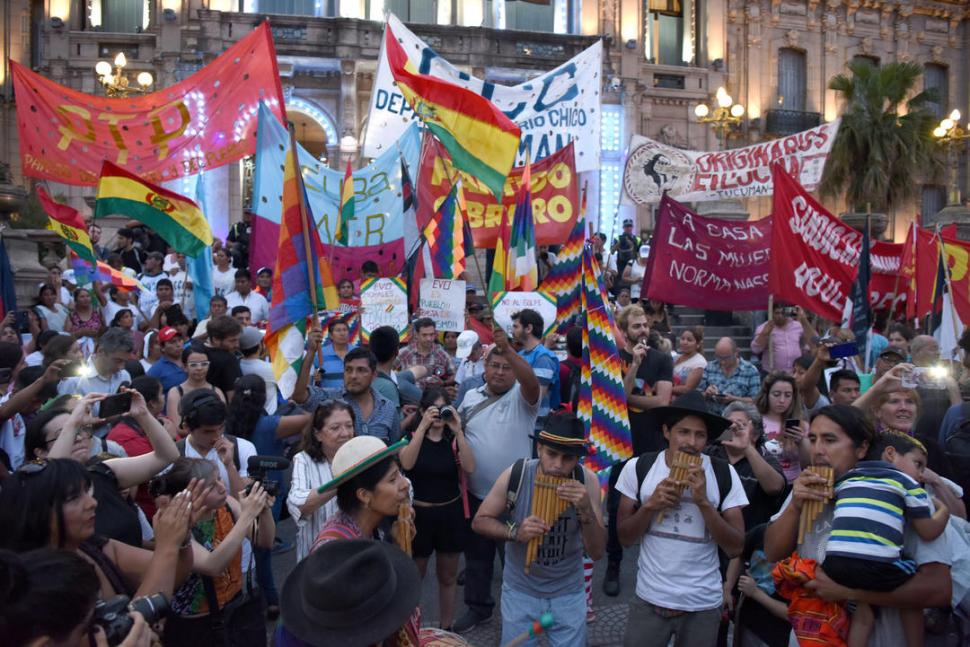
353	593
565	433
691	403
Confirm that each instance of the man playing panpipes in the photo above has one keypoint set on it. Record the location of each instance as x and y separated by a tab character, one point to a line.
553	503
680	523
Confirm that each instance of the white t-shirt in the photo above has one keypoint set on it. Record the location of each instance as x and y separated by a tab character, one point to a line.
148	300
182	293
111	309
684	368
636	278
256	302
678	567
223	282
263	369
499	434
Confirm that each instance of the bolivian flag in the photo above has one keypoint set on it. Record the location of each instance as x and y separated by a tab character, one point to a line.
69	225
481	140
174	217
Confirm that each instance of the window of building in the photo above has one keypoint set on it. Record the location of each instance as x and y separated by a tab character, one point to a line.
935	78
555	16
669	31
792	80
869	60
300	7
611	164
421	11
120	16
932	200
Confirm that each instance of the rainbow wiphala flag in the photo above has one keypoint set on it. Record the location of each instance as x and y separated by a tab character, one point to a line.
564	279
602	399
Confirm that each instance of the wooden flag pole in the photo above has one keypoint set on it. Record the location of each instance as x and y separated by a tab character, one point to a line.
305	223
771	312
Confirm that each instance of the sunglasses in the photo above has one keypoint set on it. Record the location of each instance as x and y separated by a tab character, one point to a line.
198	364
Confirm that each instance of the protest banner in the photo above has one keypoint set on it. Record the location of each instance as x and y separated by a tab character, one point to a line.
697	176
443	300
708	262
814	255
203	122
555	196
508	303
377	231
886	288
383	302
552	110
956	255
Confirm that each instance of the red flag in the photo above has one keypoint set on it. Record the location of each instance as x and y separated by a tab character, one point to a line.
814	255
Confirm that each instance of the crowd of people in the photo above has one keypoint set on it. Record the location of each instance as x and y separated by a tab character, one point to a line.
145	450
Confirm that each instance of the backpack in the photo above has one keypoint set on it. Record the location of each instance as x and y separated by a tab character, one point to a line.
957	449
515	482
235	449
722	474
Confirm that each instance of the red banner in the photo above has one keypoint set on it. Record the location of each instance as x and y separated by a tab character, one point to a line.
205	121
814	255
957	256
555	195
708	262
886	288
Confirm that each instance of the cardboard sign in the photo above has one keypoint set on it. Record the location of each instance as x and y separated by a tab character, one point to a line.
443	300
511	302
384	302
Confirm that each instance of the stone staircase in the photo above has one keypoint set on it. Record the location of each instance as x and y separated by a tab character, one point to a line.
738	326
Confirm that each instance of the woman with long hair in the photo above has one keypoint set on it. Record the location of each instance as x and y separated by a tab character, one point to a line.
197	368
437	460
51	504
51	314
125	319
780	406
62	347
690	363
85	322
332	426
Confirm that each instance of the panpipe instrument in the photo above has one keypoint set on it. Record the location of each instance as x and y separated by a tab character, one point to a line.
680	464
404	529
811	509
546	505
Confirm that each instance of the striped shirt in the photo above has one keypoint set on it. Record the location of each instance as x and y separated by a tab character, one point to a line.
872	502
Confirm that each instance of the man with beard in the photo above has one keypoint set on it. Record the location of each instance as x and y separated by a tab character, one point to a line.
680	529
527	329
374	415
648	380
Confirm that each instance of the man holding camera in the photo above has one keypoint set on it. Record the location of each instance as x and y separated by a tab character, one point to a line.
783	337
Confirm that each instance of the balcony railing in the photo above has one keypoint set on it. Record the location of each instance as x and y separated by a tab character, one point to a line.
787	122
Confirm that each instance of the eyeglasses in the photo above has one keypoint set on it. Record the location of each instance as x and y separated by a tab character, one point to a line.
198	364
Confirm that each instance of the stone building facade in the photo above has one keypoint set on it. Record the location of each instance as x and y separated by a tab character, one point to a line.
662	57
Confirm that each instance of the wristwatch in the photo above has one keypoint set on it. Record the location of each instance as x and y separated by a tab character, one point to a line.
513	529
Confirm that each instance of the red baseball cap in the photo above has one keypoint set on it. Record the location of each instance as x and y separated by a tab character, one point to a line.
166	334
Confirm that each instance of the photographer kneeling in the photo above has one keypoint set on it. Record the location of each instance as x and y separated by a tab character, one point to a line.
34	583
437	460
212	607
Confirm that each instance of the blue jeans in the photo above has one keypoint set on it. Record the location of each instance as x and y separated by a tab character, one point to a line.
520	610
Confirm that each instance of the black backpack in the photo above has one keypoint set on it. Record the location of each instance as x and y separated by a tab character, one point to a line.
515	481
957	449
235	449
722	474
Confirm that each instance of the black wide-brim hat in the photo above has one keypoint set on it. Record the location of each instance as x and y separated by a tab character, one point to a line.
691	403
565	433
350	592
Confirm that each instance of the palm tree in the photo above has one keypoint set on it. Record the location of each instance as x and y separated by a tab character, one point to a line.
884	149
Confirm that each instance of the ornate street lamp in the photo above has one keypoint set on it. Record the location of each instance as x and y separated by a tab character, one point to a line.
116	84
951	135
722	115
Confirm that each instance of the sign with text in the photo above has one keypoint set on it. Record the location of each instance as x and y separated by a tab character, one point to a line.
444	301
814	255
555	196
708	262
203	122
886	288
696	176
383	302
508	303
552	109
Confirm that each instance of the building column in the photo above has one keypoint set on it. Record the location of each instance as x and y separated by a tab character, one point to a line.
348	109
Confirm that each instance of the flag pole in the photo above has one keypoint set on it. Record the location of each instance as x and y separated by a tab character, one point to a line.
771	311
305	223
865	360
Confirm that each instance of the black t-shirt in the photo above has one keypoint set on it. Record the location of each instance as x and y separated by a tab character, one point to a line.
116	517
132	258
223	369
435	473
657	366
761	505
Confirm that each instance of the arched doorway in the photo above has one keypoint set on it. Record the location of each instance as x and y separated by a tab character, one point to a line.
315	129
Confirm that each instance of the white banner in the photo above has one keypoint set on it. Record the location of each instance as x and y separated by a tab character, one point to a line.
508	303
552	109
698	176
444	301
383	302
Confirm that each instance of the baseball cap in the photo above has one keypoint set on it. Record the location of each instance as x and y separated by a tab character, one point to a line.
466	341
891	352
250	337
628	222
167	334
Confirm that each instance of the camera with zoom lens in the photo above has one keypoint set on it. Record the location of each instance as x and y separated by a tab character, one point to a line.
447	413
112	615
258	468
